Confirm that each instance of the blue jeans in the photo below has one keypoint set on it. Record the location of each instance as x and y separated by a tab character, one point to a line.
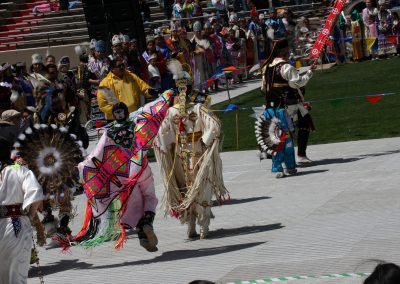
286	155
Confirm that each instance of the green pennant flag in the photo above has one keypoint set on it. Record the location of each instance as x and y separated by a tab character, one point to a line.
336	102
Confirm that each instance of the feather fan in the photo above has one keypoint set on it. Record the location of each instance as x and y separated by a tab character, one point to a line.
109	95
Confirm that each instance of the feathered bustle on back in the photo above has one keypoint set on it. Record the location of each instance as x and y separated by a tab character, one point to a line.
52	155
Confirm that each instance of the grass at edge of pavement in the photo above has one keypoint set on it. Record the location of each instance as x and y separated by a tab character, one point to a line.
336	121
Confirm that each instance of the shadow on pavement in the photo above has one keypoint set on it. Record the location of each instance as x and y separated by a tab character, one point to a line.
303	173
224	233
239	201
380	154
335	161
182	254
56	267
349	160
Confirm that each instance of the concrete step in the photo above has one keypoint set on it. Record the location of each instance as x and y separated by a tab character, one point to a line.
58	20
53	42
158	16
156	10
15	20
46	28
8	6
77	11
44	35
10	33
12	27
55	34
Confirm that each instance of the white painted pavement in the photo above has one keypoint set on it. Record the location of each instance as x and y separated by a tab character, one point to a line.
340	216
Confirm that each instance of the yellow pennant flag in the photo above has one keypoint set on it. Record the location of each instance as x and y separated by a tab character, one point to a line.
370	42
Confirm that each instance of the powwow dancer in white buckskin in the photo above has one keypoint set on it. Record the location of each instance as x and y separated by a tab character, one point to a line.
187	149
20	196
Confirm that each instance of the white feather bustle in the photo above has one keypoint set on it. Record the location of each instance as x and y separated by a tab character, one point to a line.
63	129
17	145
79	142
43	126
22	137
13	154
274	122
28	130
73	136
53	126
48	170
14	96
36	126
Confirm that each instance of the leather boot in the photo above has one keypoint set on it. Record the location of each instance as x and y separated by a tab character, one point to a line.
147	237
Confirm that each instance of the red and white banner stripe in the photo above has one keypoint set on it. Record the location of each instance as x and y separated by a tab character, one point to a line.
324	33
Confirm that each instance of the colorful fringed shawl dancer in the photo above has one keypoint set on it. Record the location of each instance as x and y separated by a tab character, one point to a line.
109	175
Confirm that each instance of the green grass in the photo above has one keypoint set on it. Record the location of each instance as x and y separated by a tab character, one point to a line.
336	121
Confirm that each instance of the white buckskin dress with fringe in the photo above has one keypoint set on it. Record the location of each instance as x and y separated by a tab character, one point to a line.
187	149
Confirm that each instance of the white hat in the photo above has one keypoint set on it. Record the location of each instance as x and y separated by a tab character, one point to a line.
233	18
36	58
92	43
116	39
125	38
64	61
7	115
197	26
80	50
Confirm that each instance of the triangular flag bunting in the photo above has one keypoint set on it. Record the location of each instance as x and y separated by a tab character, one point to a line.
210	82
370	41
231	107
230	68
374	99
392	39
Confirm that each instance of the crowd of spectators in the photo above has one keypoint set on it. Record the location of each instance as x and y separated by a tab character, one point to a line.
220	41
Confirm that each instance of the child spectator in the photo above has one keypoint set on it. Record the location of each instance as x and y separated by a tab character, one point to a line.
154	73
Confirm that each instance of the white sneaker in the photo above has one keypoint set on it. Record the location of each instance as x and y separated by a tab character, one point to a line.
280	175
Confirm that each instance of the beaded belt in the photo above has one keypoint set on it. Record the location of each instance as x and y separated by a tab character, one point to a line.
280	85
14	210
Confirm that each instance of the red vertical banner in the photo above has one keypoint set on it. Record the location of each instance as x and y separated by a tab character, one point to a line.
324	33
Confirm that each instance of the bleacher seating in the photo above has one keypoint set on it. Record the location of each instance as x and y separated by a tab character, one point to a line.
22	29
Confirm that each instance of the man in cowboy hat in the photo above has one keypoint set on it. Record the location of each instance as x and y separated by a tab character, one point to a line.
284	87
9	125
